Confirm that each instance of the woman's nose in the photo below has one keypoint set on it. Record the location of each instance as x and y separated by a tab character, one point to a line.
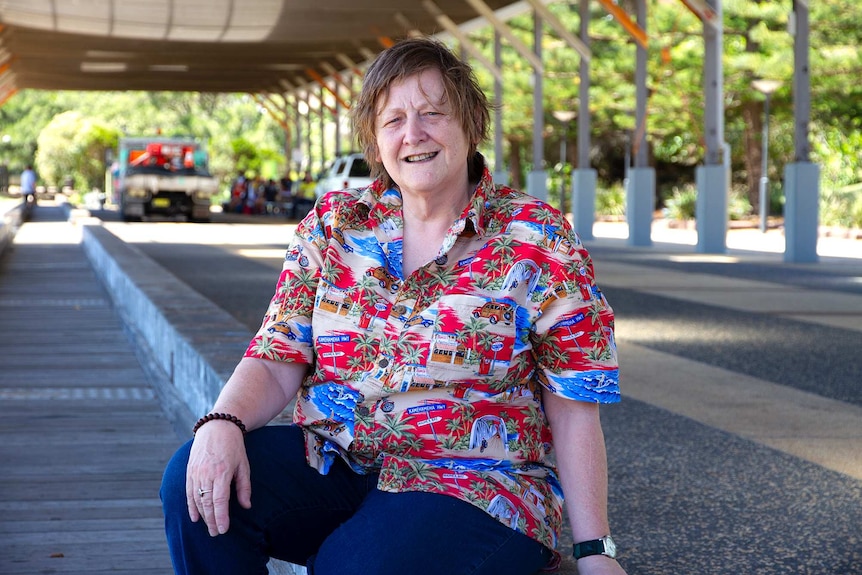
414	130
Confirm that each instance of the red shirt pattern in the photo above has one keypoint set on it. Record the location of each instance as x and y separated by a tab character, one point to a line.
434	380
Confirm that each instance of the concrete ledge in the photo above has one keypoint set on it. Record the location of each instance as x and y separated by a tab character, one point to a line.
195	343
9	224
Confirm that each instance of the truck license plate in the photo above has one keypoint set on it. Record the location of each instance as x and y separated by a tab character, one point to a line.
161	202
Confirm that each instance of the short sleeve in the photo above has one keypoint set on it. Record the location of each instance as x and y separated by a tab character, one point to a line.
574	336
285	333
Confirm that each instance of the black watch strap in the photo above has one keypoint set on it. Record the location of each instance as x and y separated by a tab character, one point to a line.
587	548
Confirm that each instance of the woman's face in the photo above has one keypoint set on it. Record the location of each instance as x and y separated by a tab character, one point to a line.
420	143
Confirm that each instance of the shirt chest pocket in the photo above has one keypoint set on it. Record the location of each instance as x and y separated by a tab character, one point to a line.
474	340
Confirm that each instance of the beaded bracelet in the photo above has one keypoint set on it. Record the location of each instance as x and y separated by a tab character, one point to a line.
225	416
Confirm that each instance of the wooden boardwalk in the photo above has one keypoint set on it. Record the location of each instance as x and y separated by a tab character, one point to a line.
84	439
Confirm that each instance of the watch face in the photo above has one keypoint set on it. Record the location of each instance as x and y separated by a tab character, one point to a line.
610	547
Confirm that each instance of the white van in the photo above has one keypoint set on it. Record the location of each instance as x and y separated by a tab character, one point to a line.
347	171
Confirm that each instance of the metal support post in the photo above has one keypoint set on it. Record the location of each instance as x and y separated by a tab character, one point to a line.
501	174
537	180
322	127
763	196
584	178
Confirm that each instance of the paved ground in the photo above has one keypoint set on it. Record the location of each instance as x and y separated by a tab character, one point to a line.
84	438
738	448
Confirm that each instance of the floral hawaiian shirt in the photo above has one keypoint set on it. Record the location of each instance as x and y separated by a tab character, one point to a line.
434	380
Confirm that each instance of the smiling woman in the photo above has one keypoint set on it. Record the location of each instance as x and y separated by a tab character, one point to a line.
441	376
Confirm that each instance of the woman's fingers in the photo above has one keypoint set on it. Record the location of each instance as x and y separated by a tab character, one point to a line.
206	501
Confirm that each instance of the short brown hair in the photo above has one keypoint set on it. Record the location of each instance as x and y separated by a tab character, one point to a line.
403	60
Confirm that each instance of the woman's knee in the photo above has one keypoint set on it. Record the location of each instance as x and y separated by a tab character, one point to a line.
435	534
173	490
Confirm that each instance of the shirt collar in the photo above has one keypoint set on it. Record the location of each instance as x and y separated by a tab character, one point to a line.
383	203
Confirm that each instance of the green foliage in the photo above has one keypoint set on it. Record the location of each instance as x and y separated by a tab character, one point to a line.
611	201
245	157
841	207
739	208
240	136
74	146
682	204
22	118
837	153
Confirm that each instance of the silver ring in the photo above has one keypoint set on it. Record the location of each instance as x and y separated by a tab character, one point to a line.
201	491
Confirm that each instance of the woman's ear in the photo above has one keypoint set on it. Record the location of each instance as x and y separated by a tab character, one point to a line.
477	126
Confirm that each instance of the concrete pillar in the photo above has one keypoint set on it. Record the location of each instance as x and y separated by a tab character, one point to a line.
640	184
712	180
584	201
801	207
711	210
801	178
537	184
640	203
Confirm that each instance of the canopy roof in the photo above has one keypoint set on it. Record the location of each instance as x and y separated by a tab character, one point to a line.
204	45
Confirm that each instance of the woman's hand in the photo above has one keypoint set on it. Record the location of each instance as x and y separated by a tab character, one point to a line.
257	391
217	460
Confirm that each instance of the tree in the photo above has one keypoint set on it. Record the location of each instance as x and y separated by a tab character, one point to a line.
72	145
22	118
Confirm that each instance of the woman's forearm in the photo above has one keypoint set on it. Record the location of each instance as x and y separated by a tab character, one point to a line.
258	390
582	464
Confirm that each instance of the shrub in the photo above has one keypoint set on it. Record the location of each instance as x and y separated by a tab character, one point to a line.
739	208
682	203
611	201
841	207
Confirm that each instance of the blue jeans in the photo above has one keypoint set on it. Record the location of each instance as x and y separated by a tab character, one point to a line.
338	524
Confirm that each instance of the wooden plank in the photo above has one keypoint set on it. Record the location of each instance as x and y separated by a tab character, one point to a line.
85	440
54	510
138	531
126	556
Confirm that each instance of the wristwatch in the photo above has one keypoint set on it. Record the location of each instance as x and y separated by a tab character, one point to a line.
603	546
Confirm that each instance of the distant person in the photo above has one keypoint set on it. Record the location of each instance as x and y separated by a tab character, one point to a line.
238	190
303	198
285	195
286	183
28	184
306	187
255	199
447	348
270	193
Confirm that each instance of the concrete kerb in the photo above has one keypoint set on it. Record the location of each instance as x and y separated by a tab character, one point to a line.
9	223
192	343
195	343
